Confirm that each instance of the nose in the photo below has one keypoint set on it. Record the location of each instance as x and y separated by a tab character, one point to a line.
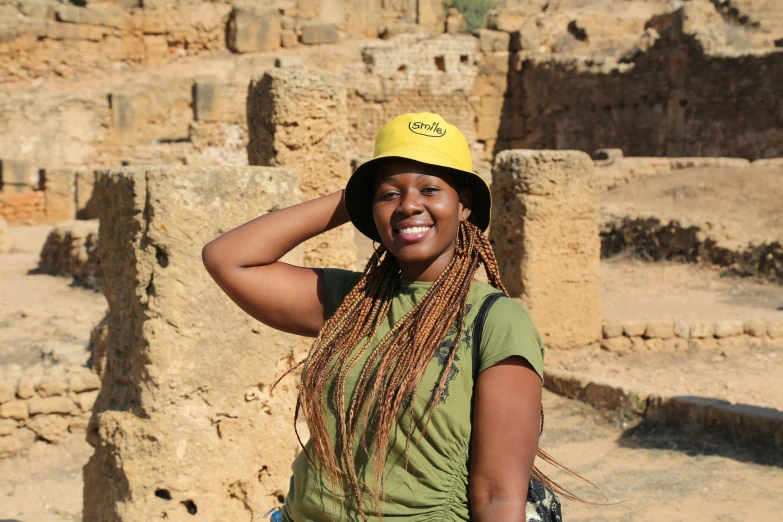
410	203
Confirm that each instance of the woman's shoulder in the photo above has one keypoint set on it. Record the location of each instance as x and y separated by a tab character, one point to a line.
338	283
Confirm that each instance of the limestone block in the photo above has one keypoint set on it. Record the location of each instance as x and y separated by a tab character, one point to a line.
48	405
7	392
775	329
17	442
52	384
7	427
654	344
106	16
124	118
332	11
86	400
756	327
681	329
659	330
729	328
14	410
675	344
79	424
288	38
526	39
608	154
253	30
545	235
612	329
298	118
171	413
286	62
40	9
71	249
637	344
634	328
455	21
60	194
28	381
86	204
701	329
616	344
492	41
317	33
82	379
18	174
49	427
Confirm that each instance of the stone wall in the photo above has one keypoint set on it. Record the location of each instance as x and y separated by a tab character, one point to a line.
44	403
682	93
185	421
298	119
545	235
71	249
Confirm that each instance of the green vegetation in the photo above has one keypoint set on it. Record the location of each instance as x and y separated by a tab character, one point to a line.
474	12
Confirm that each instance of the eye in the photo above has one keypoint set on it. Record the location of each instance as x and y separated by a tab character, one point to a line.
430	190
386	195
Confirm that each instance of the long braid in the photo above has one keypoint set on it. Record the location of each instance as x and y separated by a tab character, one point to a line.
394	368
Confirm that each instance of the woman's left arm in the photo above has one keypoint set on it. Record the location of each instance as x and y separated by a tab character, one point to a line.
506	421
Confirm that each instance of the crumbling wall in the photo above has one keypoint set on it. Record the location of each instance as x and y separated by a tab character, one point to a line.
297	118
185	422
683	93
545	234
71	249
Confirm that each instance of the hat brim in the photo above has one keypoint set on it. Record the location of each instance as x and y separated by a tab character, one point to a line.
358	191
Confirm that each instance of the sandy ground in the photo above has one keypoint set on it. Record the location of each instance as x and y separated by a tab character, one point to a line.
635	290
659	475
747	199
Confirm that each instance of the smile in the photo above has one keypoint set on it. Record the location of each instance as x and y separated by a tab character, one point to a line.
413	234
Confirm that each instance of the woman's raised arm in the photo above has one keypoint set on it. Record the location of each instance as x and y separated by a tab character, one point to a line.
245	263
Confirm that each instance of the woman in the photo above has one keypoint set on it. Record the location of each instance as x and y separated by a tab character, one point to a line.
387	388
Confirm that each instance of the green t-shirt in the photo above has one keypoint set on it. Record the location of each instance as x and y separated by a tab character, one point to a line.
434	487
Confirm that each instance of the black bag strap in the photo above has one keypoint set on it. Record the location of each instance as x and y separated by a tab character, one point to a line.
478	328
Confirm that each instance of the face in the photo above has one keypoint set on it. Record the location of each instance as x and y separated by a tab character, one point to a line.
417	210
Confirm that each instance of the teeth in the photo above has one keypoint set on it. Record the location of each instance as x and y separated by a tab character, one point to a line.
414	230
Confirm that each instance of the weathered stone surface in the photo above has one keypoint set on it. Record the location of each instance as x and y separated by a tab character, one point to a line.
288	38
71	249
493	41
634	328
7	392
79	424
17	442
654	344
775	329
729	328
82	379
297	118
612	329
659	330
6	241
616	344
7	426
756	327
702	329
171	413
547	241
317	33
15	409
49	427
86	400
54	383
253	29
681	329
17	175
675	344
47	405
25	388
59	190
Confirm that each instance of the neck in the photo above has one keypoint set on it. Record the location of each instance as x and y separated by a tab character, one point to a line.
427	271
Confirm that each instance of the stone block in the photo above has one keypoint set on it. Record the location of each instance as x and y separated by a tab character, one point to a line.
659	330
71	249
634	328
318	33
17	442
52	385
612	329
156	49
332	11
86	400
40	9
527	39
493	41
494	64
675	344
171	410
547	243
15	409
286	62
7	427
608	154
86	204
701	329
46	405
253	30
124	118
654	344
60	194
25	388
82	379
7	392
616	344
6	242
729	328
756	327
49	427
681	329
288	38
298	118
637	344
18	173
775	329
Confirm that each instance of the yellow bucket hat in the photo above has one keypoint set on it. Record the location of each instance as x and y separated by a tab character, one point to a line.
426	138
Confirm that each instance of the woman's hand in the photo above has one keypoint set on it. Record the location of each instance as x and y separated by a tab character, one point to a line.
245	263
506	421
